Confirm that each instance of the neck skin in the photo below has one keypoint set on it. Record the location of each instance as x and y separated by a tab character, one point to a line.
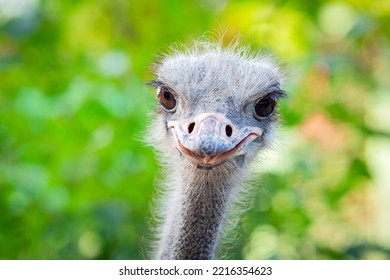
197	208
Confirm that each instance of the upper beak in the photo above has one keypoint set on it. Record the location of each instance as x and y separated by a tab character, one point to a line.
211	138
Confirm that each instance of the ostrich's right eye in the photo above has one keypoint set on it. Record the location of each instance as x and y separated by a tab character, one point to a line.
166	98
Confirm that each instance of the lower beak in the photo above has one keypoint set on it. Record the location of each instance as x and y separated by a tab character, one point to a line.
210	139
217	157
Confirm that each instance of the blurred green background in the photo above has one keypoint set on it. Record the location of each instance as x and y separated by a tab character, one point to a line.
76	182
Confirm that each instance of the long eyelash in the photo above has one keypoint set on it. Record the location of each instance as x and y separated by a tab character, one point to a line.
155	83
276	94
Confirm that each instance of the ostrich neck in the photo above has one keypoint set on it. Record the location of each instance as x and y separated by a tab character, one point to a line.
196	213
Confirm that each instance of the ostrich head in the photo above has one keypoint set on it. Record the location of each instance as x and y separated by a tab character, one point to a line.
216	105
216	111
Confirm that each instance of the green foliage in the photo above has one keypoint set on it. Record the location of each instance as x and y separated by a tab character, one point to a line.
76	181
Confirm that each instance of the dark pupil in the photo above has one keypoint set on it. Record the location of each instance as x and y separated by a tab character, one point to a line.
167	95
264	107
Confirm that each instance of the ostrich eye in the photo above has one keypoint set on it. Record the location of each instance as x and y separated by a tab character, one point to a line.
166	99
264	107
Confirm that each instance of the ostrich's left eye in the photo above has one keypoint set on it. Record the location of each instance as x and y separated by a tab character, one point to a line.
166	98
264	107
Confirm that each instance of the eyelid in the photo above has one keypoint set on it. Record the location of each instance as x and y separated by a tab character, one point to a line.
276	94
164	87
155	83
273	92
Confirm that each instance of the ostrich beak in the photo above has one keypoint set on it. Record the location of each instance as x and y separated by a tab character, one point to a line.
210	138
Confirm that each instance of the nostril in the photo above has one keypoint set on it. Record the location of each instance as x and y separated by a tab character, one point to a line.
228	130
191	127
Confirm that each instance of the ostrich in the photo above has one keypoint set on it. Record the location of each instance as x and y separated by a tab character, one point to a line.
216	111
